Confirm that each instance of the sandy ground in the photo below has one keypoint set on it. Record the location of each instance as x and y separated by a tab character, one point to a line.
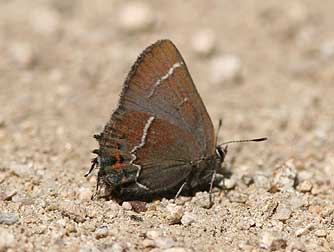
265	67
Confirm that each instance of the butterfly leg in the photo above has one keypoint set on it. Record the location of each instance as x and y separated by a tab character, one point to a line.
95	162
137	176
214	173
180	190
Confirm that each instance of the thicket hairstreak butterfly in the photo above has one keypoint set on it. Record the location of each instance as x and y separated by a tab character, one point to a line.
160	140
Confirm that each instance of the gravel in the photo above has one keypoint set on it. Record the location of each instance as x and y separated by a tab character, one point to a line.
62	67
8	218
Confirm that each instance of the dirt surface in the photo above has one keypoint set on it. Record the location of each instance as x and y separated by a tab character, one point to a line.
265	67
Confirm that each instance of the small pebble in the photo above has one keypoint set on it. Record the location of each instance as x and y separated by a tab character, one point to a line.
138	206
22	170
153	234
188	218
305	186
326	211
317	189
135	17
237	197
175	250
283	213
269	239
278	245
4	196
247	180
201	199
91	212
320	233
126	205
283	178
297	202
102	231
330	237
261	181
204	42
116	247
148	243
296	246
7	239
175	213
71	228
225	68
85	194
71	210
304	230
8	218
230	183
269	208
164	242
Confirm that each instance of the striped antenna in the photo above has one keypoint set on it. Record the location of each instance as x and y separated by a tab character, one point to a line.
245	141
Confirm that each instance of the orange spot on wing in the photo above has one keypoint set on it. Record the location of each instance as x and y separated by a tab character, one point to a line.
118	164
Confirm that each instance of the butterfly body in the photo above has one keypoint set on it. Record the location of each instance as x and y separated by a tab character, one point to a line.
160	138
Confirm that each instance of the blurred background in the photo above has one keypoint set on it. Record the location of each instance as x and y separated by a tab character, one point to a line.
265	67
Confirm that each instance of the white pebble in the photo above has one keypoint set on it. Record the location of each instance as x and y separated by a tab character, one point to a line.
6	239
148	243
188	218
230	183
282	213
204	42
135	16
102	231
153	234
126	205
85	194
305	186
175	250
303	230
116	247
320	233
164	242
225	68
269	239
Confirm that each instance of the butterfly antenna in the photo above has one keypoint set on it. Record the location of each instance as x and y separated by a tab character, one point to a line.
245	141
220	123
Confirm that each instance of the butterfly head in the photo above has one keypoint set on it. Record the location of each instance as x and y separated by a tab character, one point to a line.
221	152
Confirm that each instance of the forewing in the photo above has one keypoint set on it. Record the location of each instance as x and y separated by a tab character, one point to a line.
160	84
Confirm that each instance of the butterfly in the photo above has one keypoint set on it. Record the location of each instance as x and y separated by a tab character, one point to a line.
160	140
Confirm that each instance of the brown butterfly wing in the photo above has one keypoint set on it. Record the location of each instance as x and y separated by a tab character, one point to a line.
161	123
